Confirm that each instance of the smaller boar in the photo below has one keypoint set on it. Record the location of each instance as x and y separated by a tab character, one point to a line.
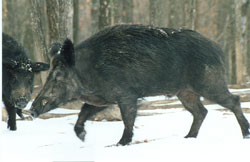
123	63
18	76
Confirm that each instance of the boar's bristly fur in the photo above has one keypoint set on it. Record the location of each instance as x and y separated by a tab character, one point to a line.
120	64
18	76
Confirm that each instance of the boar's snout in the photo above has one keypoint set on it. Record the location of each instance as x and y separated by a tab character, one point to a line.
33	113
39	106
21	102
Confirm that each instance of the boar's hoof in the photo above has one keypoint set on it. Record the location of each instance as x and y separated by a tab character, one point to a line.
11	127
190	136
247	136
124	141
80	132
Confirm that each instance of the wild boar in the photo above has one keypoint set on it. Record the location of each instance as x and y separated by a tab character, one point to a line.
120	64
18	75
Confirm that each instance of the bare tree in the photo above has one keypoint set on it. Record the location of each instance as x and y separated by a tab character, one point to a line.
154	12
224	35
231	45
171	13
58	15
238	48
59	19
122	11
105	14
95	5
247	9
184	15
245	13
193	14
11	23
38	24
52	21
127	11
10	17
75	20
117	11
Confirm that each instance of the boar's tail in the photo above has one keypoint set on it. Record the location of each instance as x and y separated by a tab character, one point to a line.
203	50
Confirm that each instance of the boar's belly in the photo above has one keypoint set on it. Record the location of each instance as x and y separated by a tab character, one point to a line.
96	101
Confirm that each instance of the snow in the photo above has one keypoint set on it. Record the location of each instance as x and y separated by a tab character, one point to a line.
240	90
63	111
162	97
155	98
54	139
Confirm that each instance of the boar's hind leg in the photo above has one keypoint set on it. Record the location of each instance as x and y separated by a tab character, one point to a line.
128	108
192	103
86	112
232	102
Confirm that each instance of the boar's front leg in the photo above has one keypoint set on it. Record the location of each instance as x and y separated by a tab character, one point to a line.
11	110
128	108
86	112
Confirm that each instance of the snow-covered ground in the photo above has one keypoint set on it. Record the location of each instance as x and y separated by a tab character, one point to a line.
156	138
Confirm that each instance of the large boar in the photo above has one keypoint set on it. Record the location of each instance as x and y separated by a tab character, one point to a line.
123	63
18	76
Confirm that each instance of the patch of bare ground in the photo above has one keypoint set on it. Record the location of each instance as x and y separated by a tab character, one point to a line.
113	113
47	115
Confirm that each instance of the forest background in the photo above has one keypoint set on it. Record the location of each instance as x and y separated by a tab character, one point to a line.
36	24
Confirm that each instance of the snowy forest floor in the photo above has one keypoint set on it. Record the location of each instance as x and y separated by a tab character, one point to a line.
158	136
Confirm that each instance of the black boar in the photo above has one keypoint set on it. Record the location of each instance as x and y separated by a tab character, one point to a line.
123	63
18	74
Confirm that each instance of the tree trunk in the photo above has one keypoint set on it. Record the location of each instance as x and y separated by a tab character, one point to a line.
127	11
248	38
171	13
117	11
10	18
53	18
154	13
11	22
95	5
65	19
59	20
238	49
105	14
75	20
193	14
184	13
222	22
231	44
38	21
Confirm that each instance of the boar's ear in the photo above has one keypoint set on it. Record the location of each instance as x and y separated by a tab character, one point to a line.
67	52
55	49
39	66
9	63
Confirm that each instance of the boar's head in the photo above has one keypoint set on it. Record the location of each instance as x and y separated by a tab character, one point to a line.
62	84
18	76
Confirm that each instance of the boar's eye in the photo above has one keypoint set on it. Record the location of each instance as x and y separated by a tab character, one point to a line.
30	79
59	76
44	102
13	79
